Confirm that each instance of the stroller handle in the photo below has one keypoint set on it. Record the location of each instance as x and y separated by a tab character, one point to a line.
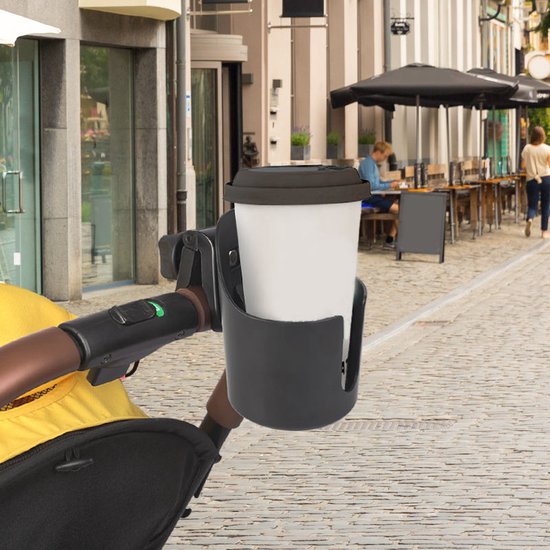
43	356
35	359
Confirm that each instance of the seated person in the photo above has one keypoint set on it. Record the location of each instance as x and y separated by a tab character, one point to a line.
368	170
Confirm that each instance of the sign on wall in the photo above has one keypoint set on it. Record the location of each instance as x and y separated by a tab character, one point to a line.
210	2
538	64
303	8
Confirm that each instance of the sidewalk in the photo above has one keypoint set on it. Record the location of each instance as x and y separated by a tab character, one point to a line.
395	289
446	446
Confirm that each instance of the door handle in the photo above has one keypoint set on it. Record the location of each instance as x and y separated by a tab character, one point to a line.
19	175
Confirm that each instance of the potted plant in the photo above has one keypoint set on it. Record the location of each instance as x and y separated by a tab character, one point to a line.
299	144
333	145
367	139
543	28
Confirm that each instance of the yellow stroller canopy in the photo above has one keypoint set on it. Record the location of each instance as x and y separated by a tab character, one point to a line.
63	405
87	470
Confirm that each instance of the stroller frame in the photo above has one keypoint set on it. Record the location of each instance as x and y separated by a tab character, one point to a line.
107	343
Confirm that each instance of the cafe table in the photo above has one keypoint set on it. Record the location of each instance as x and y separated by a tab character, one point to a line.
492	199
519	180
473	193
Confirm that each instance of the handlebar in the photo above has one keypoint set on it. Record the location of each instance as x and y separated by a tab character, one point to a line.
34	360
107	343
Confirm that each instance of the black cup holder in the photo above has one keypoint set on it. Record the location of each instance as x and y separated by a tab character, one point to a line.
285	375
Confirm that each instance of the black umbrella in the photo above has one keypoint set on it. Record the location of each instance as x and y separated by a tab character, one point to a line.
427	81
525	94
543	96
421	85
543	89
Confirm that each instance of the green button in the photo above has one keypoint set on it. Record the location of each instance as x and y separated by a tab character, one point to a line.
158	309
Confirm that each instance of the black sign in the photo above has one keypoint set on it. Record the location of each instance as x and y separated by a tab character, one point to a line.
210	2
422	224
400	27
303	8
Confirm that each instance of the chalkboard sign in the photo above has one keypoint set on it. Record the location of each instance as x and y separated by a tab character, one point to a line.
422	224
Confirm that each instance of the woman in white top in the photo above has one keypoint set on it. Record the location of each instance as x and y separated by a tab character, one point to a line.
536	156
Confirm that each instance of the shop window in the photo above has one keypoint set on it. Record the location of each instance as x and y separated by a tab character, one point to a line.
107	151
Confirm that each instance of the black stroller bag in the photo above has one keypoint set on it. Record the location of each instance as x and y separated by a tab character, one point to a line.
119	486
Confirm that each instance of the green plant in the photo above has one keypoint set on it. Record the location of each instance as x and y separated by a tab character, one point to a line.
540	117
368	137
300	137
86	211
333	138
544	26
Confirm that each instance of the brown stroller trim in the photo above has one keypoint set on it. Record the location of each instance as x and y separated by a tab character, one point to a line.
84	343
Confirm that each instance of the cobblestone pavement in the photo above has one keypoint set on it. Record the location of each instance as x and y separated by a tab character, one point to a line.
446	447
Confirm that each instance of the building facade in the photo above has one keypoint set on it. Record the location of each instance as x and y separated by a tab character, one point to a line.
83	146
89	118
293	64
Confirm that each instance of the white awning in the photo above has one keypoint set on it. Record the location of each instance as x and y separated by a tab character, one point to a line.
162	10
13	26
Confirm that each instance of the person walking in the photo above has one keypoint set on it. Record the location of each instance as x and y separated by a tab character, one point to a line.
536	157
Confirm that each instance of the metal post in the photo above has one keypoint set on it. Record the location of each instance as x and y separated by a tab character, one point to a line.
185	172
484	35
494	167
418	129
449	145
481	141
387	66
418	165
181	191
172	133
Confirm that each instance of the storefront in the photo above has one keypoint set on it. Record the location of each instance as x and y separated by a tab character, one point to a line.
83	164
107	160
20	250
216	61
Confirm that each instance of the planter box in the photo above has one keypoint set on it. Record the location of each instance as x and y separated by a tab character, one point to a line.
334	151
365	149
298	152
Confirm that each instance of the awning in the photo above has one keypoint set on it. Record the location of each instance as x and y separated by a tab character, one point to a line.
13	26
162	10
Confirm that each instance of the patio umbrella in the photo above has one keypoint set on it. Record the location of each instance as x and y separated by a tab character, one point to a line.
524	95
421	85
543	96
543	89
13	26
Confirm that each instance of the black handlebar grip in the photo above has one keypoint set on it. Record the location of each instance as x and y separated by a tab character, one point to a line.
125	334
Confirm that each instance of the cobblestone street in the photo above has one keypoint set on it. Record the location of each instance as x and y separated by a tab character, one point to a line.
447	446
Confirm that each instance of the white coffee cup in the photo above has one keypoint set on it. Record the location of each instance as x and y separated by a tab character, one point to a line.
298	245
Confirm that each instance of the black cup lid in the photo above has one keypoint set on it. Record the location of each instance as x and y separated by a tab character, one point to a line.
284	185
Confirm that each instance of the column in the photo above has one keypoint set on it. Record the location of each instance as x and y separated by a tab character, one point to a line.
60	153
310	77
342	69
150	167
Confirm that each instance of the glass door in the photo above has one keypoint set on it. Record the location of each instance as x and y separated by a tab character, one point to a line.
206	125
107	161
19	166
